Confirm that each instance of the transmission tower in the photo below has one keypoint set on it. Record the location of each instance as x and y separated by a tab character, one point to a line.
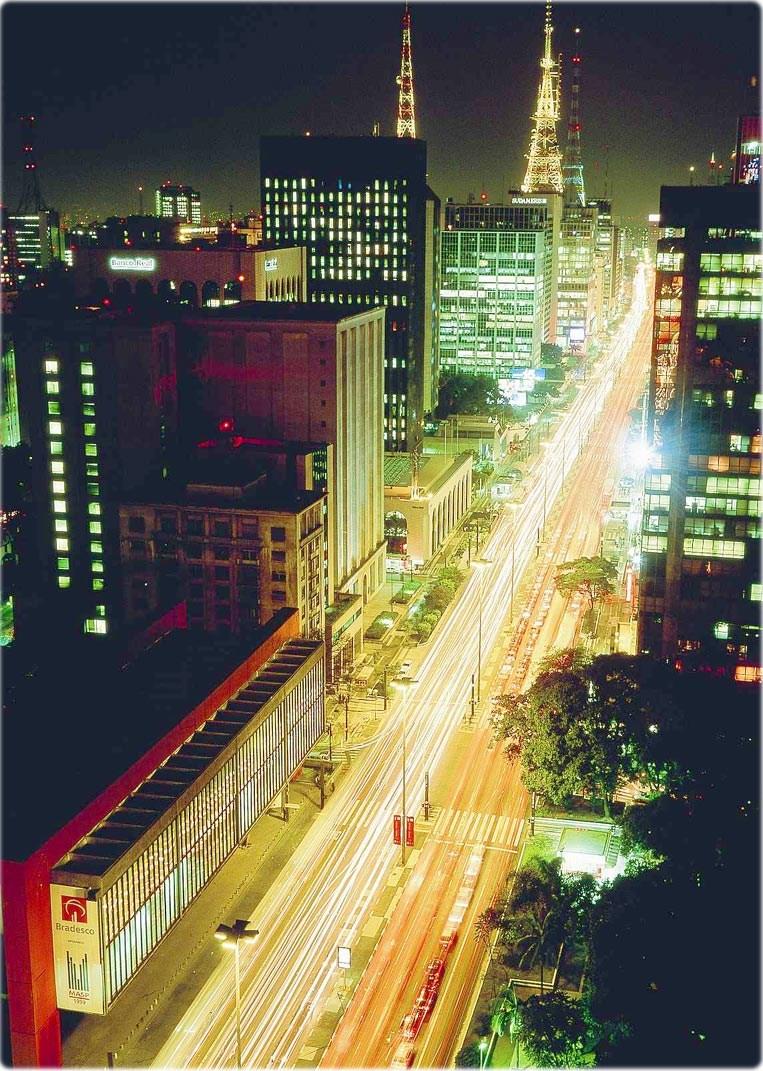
406	116
544	170
572	166
31	198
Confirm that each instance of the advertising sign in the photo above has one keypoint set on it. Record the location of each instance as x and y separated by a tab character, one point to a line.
76	950
343	956
409	831
271	263
397	826
132	263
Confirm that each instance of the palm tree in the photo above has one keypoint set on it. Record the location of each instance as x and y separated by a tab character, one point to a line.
538	910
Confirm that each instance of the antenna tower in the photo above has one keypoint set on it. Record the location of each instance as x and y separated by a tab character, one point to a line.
406	116
544	161
572	166
31	199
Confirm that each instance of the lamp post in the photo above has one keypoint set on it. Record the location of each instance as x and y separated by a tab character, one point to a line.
480	563
483	1049
231	937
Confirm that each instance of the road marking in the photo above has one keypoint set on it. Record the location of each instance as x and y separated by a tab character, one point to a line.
477	827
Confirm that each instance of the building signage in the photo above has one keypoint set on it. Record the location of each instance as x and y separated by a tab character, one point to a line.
132	263
76	950
529	201
271	263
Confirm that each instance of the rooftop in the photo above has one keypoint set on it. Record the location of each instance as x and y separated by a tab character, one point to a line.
81	724
276	311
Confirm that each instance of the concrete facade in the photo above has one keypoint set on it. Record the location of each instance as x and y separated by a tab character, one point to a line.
431	500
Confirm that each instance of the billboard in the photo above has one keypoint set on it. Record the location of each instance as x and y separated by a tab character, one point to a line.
76	950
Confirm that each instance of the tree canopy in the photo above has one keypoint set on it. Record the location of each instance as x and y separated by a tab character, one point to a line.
592	577
472	395
553	1030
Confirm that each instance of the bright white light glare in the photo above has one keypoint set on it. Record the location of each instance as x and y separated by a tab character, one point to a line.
640	455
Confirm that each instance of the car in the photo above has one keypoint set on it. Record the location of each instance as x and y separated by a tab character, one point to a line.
403	1056
406	667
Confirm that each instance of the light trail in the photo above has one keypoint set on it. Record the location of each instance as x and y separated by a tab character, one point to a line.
323	894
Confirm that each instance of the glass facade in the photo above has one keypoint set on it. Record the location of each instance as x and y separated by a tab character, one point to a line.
270	726
496	279
576	288
707	438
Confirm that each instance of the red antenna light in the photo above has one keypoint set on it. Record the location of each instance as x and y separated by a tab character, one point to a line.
225	425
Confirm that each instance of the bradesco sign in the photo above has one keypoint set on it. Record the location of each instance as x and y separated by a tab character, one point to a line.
76	950
132	263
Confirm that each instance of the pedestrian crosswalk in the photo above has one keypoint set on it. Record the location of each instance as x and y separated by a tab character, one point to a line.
492	830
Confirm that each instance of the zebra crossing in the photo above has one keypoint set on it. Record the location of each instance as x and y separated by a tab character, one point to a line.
492	830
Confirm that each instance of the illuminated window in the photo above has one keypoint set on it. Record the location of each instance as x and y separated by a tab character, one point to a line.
55	427
96	547
59	505
88	389
91	450
751	674
91	468
96	625
93	489
51	366
57	467
714	548
96	567
97	583
59	487
52	386
94	508
95	527
62	544
61	525
54	407
88	409
86	368
62	564
64	581
721	630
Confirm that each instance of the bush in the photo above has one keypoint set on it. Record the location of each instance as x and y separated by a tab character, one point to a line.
469	1056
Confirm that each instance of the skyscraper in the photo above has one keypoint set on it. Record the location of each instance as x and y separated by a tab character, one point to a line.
181	203
498	284
701	586
360	205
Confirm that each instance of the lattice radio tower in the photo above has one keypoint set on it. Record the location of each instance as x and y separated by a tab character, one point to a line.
572	166
31	199
406	115
544	161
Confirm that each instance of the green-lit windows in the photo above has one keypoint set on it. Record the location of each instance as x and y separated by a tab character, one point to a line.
714	548
50	366
755	592
52	386
86	368
721	630
64	581
55	427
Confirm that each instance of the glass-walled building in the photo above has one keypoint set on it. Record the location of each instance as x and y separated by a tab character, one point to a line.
498	271
150	858
700	588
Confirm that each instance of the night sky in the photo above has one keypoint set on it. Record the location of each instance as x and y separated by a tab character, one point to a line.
136	94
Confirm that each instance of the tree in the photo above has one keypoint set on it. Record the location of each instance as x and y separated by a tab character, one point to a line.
478	395
591	577
469	1056
537	916
486	924
554	1030
542	727
571	659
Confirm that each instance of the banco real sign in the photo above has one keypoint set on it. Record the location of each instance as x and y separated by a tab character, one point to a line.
76	950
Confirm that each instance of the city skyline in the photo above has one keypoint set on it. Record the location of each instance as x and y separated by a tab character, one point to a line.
475	81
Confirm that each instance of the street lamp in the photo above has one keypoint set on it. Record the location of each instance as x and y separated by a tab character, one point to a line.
231	937
480	563
483	1049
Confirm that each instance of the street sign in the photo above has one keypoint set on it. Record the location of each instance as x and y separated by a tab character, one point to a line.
343	956
397	827
409	831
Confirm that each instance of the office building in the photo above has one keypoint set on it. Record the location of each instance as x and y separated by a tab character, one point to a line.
239	540
498	279
198	737
181	203
605	258
424	499
577	296
203	275
303	373
97	396
363	208
700	586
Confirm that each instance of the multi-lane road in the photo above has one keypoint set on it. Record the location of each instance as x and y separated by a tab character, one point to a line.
486	801
322	898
